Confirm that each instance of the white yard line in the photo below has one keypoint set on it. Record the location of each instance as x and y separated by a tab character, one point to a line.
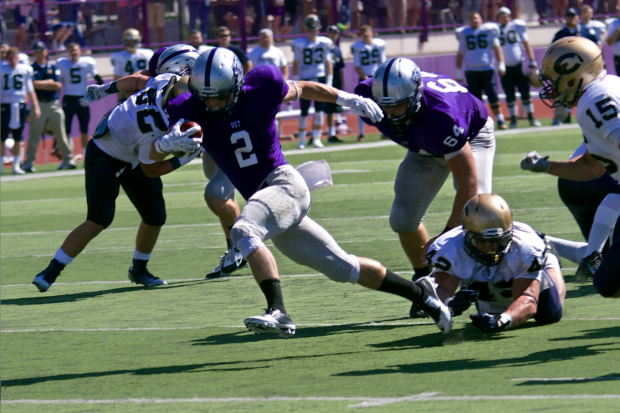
361	401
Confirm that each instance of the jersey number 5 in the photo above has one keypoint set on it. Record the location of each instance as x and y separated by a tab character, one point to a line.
247	148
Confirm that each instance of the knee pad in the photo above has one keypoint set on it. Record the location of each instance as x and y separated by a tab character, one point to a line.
303	122
319	119
495	105
247	245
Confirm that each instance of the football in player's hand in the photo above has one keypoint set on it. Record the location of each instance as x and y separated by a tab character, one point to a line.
190	124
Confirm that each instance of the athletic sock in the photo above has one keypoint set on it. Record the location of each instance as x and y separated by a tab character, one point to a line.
529	108
422	272
604	222
62	257
331	131
302	137
316	134
512	109
84	152
137	255
571	250
395	284
16	162
361	125
500	118
273	293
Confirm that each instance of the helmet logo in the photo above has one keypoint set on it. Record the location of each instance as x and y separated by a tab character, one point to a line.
567	64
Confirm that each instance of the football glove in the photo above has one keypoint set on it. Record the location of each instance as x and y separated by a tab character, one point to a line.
461	301
361	106
488	323
190	157
533	66
177	141
94	93
535	163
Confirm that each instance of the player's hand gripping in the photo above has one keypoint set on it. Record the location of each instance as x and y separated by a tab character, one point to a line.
488	323
177	141
461	301
94	93
534	162
361	106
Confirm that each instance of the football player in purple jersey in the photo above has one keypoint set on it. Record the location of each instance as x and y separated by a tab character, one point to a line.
446	129
238	116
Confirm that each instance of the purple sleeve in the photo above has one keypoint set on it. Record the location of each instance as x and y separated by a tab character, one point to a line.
178	107
270	79
364	89
153	62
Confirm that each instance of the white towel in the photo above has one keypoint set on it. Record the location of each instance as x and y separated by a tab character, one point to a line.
14	123
316	174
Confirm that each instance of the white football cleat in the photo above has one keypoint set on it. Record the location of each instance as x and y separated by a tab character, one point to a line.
231	261
317	143
302	144
273	321
434	306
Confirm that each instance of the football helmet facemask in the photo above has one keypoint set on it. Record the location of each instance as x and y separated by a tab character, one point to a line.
217	73
568	66
395	82
131	39
312	22
487	226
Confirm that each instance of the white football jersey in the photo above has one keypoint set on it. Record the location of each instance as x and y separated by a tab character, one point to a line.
137	122
613	26
312	56
126	63
368	56
476	46
267	57
16	83
598	27
75	75
526	258
510	38
597	114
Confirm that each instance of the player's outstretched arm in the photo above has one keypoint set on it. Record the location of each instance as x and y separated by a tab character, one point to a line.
320	92
127	85
581	168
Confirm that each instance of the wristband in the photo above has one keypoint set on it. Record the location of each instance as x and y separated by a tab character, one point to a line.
175	162
506	320
459	73
501	66
112	88
342	98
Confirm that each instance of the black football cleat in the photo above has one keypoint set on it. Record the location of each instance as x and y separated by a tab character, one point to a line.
588	266
139	274
44	280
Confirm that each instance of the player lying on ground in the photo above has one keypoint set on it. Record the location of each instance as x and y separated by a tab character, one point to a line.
505	267
132	134
239	114
445	129
573	74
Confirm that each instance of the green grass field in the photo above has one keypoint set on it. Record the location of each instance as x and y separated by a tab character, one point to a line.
95	343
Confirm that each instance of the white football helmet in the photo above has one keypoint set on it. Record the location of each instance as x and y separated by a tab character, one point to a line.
178	59
217	73
396	81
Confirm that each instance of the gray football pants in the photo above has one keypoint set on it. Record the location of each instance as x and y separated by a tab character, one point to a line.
52	112
279	212
219	185
420	178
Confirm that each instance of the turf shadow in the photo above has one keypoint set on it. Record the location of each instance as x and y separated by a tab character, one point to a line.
541	357
606	332
582	290
69	298
560	380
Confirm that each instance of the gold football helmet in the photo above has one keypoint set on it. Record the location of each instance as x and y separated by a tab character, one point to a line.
568	66
487	225
131	39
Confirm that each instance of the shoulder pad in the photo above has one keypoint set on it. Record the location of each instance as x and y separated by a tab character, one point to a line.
519	22
459	30
379	42
492	27
326	40
598	24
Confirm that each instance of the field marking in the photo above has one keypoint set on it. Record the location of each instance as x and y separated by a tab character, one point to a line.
604	378
365	401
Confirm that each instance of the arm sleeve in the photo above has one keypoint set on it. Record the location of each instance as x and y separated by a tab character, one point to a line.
357	62
462	44
29	85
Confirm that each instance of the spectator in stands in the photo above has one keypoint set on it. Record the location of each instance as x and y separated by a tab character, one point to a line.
21	14
470	6
156	10
47	84
561	114
275	9
291	9
613	40
414	8
223	37
477	43
335	119
493	5
195	39
68	28
559	7
368	54
266	54
397	13
16	85
74	73
596	27
199	9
